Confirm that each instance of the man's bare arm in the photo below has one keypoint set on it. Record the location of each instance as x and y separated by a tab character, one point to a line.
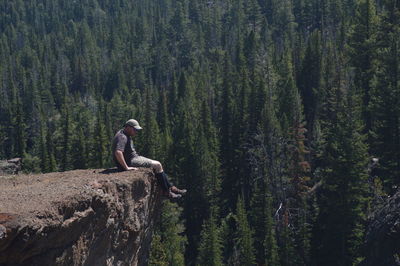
120	158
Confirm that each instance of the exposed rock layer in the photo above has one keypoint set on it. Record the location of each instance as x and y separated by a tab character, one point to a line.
83	217
10	167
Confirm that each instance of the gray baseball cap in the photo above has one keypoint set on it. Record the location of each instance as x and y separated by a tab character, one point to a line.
133	123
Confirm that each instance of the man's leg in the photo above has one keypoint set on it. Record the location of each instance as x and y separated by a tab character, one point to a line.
160	174
162	178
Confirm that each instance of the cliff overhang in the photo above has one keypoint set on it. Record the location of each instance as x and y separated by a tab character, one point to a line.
82	217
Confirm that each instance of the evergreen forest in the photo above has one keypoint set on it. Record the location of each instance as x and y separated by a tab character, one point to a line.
268	111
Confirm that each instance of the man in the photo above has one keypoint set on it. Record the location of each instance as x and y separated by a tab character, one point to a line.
126	158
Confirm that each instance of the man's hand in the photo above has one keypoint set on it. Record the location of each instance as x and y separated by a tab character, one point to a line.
120	157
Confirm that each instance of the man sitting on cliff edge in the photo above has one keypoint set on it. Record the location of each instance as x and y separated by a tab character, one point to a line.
126	158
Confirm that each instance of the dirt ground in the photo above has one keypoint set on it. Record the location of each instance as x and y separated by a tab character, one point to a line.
40	193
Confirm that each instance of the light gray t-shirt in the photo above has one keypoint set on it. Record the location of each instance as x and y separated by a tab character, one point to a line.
123	142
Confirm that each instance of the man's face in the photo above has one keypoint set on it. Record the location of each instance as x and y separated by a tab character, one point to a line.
131	131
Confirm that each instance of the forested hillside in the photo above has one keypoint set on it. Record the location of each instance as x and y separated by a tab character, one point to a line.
267	111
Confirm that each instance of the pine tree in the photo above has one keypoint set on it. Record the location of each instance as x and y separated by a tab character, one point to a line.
288	94
171	234
270	244
185	151
44	157
207	163
339	228
18	124
100	148
362	51
309	79
244	237
66	141
210	248
151	140
228	113
241	130
298	173
261	221
165	130
80	150
385	96
157	252
50	149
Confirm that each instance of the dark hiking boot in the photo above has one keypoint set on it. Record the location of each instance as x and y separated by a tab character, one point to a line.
178	191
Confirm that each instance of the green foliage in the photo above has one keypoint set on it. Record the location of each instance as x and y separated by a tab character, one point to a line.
100	148
172	240
157	252
210	248
244	237
363	53
385	97
31	164
343	199
258	99
270	244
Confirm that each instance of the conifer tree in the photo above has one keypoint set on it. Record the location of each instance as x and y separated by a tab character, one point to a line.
227	122
100	149
244	237
309	79
66	141
385	97
210	248
241	130
261	221
151	139
256	220
186	170
171	234
288	94
208	161
79	149
270	244
339	228
18	124
44	158
287	254
158	255
362	44
50	149
298	173
164	121
64	131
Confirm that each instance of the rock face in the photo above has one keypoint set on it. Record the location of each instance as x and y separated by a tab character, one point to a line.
383	235
84	217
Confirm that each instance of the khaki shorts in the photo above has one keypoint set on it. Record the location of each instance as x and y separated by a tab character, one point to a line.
140	161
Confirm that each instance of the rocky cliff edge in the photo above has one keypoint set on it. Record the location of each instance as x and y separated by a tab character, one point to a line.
83	217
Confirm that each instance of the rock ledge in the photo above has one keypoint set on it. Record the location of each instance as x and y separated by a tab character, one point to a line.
82	217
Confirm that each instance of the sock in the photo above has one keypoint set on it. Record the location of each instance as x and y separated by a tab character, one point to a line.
166	180
163	181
